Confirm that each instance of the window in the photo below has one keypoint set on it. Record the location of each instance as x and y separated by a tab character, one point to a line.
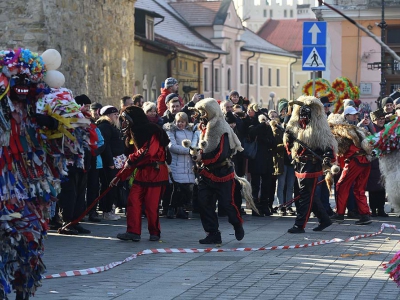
285	13
261	76
241	73
228	76
270	14
180	65
251	74
194	68
216	80
266	2
393	36
149	28
205	79
291	13
277	78
269	77
265	13
186	65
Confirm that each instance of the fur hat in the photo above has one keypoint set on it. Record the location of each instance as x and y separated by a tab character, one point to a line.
386	100
376	114
83	99
148	106
170	81
108	109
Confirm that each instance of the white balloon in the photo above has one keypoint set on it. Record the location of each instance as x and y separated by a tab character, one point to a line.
52	59
54	79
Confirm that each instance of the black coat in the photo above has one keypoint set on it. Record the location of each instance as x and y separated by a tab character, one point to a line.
113	142
262	163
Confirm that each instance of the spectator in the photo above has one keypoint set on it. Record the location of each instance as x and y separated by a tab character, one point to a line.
150	109
327	105
388	108
113	157
138	100
182	175
95	111
125	102
72	196
170	86
261	167
174	106
282	109
350	115
226	106
191	113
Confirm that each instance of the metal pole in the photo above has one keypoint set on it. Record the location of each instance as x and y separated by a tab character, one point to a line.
313	83
383	26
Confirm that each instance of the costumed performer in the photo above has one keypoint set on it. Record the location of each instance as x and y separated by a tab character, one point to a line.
216	173
308	126
147	144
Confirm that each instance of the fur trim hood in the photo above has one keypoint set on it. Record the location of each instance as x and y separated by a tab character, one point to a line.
216	127
317	133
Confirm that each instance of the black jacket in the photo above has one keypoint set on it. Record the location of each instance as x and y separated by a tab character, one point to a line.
113	142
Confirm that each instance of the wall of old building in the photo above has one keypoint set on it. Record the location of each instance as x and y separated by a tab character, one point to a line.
95	39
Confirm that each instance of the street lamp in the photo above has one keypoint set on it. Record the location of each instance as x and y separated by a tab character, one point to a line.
271	104
294	88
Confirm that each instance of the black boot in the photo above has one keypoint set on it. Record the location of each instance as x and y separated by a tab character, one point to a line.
21	296
296	229
212	238
239	232
171	213
364	220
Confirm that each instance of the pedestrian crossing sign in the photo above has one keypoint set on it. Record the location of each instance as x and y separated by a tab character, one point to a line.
314	58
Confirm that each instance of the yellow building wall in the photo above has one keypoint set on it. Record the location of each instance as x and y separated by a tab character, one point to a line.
188	69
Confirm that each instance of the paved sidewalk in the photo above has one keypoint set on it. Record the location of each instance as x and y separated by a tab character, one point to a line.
349	270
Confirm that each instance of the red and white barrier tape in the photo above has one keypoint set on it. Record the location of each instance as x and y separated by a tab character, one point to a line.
205	250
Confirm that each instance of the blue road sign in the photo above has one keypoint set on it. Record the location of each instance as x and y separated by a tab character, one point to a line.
314	34
314	58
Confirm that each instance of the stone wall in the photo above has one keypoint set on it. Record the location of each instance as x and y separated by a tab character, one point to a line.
95	39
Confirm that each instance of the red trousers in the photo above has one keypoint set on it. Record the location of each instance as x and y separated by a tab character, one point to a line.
357	174
150	197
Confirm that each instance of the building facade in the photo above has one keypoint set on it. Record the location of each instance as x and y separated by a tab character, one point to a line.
93	38
352	53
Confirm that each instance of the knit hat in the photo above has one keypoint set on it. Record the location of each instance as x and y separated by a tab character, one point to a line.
95	106
233	93
283	104
148	106
324	100
230	118
170	97
170	81
82	99
364	108
108	109
376	114
386	100
348	102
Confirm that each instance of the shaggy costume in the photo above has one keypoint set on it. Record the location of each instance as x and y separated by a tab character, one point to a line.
216	176
308	124
148	154
353	156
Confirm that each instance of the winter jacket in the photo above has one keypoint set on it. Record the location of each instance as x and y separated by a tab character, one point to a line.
113	142
182	164
262	163
279	152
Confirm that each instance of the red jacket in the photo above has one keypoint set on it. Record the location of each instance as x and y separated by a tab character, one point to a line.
161	106
148	173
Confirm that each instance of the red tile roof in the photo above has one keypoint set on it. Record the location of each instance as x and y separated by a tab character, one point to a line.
286	34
